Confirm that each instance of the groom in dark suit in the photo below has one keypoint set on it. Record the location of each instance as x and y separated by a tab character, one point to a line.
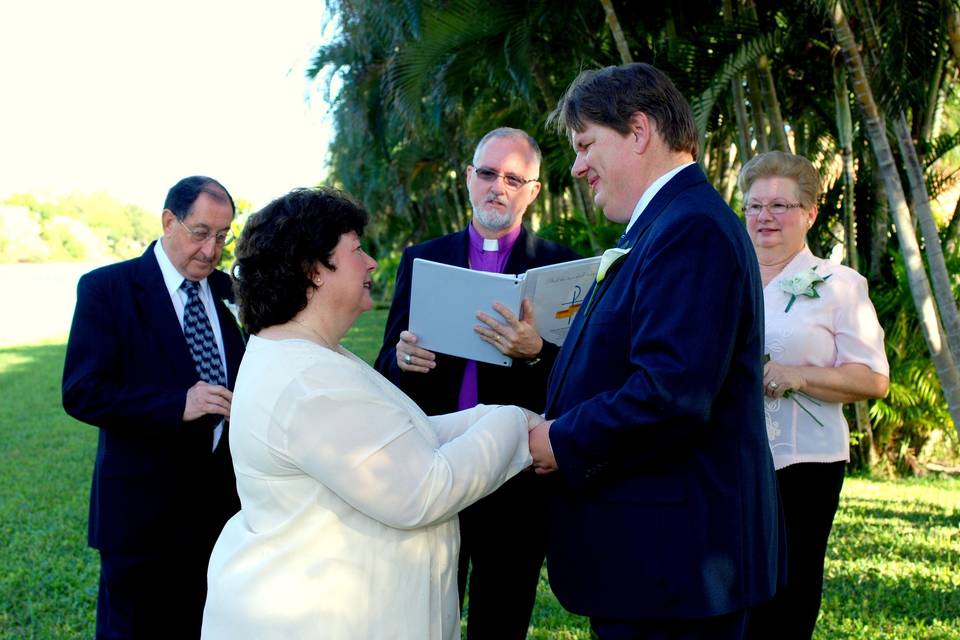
152	356
503	536
665	521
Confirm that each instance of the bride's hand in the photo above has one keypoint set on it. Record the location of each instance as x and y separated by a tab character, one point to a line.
533	419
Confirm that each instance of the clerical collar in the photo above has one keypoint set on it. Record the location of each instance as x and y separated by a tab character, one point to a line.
488	245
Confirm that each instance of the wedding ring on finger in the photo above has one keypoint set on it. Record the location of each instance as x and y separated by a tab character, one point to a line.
773	386
407	358
498	337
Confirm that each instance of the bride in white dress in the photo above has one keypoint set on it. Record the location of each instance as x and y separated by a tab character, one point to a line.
348	526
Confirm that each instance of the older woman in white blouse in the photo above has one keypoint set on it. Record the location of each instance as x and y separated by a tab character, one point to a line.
348	526
826	348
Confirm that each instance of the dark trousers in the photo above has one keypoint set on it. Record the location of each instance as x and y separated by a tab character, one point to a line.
810	493
728	627
503	542
151	596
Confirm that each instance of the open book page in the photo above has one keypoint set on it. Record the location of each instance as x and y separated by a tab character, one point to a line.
444	302
556	292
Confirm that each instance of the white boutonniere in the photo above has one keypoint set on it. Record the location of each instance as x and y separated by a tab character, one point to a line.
235	314
233	309
802	284
609	258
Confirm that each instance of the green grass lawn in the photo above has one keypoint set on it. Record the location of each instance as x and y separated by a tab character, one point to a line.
893	568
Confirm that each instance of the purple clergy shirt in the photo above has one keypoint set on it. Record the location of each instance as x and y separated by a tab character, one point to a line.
481	259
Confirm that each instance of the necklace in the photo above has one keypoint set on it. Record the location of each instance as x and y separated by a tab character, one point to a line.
323	340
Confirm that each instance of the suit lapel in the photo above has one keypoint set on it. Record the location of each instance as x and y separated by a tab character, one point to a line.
460	249
685	179
233	344
162	325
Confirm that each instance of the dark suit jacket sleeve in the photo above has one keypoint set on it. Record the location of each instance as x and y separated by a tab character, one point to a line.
397	321
680	333
422	387
97	386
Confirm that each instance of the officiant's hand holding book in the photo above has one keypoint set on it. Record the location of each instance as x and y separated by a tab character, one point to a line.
513	337
446	301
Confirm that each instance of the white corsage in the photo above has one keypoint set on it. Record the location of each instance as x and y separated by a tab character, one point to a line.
609	258
802	284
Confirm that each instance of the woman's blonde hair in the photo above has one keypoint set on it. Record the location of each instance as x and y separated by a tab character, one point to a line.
783	165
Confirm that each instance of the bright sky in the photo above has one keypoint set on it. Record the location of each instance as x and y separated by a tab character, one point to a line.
129	96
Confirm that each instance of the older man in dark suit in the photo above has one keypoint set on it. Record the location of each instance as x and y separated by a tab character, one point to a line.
152	356
666	521
502	536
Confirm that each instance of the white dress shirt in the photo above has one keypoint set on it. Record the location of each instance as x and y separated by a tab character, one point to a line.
653	190
173	279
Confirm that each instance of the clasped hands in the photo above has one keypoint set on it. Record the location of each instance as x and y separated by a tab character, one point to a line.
514	338
538	431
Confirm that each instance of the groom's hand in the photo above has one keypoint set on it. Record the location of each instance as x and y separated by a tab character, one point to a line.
540	449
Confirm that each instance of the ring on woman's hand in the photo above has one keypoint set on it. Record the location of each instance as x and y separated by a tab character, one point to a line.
407	358
773	386
498	337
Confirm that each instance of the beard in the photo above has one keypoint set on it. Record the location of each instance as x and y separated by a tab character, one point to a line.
491	218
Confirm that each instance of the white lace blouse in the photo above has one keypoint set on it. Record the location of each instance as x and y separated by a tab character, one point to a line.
840	327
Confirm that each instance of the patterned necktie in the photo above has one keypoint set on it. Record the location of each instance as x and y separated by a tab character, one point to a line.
199	335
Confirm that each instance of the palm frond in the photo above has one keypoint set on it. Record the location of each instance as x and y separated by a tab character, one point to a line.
743	58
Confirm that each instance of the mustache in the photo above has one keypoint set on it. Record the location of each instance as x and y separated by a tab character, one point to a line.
498	199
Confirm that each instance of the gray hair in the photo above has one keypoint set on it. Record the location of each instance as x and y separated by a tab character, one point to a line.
783	165
510	132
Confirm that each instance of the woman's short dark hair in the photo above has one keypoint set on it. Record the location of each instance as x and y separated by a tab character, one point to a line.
610	96
279	247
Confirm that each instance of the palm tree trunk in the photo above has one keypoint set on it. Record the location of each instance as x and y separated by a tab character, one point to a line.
777	130
868	452
953	33
879	223
919	286
769	91
928	129
744	148
946	304
942	289
952	235
757	111
617	32
845	136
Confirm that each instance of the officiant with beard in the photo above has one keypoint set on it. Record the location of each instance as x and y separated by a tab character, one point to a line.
502	536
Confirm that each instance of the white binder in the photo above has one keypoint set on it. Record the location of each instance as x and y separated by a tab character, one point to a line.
444	302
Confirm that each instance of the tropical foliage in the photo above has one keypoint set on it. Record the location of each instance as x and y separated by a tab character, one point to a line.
91	227
865	89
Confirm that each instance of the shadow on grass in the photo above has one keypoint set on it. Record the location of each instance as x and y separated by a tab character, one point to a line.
891	565
916	512
49	577
872	597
